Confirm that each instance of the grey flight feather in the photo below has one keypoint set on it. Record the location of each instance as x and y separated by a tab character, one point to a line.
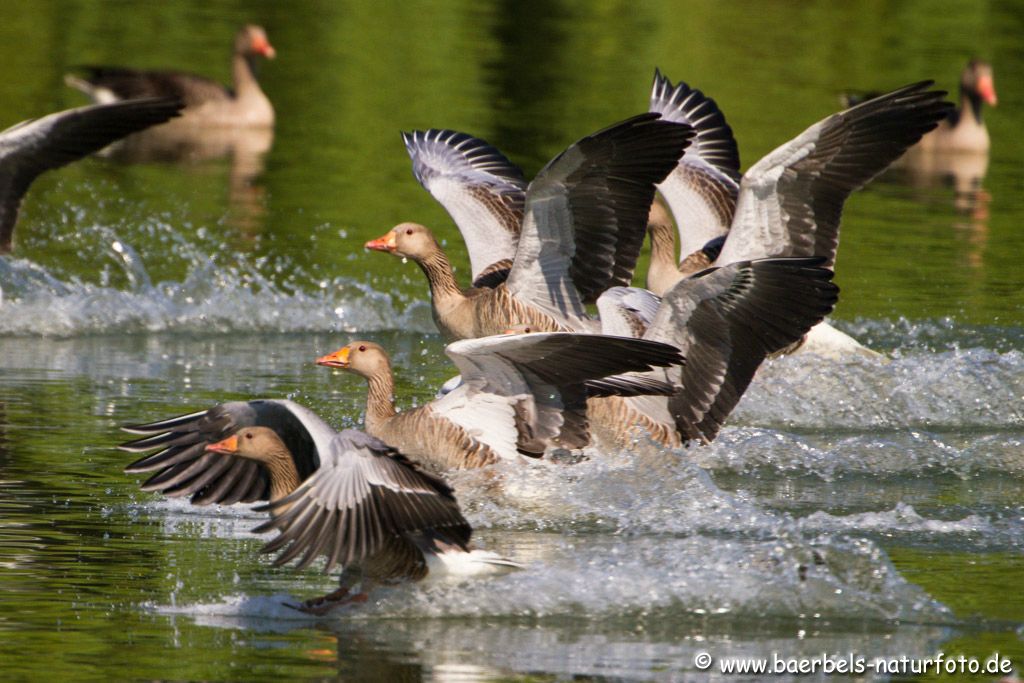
363	496
478	186
791	201
182	467
586	215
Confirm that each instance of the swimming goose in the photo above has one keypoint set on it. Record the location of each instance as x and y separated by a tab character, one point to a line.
725	320
345	496
583	225
520	394
963	129
32	147
790	202
207	102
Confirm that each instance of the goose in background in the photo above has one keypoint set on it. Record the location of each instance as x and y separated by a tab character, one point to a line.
345	496
963	130
32	147
520	394
207	102
584	218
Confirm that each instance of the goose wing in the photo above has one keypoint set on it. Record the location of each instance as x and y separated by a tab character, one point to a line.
363	498
586	215
791	201
478	186
702	189
726	321
545	379
32	147
182	467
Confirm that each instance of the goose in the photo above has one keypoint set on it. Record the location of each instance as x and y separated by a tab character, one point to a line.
963	129
520	394
343	495
32	147
207	102
581	232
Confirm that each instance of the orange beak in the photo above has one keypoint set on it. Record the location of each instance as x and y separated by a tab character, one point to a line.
385	243
338	359
228	445
262	46
987	90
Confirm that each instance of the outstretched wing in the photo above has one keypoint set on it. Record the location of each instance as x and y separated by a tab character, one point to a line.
477	185
586	215
702	189
32	147
791	201
364	496
183	467
546	377
726	321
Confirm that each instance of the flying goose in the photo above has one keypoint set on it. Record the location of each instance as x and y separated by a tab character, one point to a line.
583	225
520	394
32	147
207	102
345	496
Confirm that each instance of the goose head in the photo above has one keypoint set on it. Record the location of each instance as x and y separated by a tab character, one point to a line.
251	41
976	80
361	357
408	240
254	443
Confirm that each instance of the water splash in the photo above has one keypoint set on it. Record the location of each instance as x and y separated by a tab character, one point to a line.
212	297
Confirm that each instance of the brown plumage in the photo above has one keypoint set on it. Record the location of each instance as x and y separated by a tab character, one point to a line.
663	272
343	495
460	313
520	394
582	228
366	508
430	439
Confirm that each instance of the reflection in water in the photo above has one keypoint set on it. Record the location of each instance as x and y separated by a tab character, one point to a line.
5	454
180	142
964	172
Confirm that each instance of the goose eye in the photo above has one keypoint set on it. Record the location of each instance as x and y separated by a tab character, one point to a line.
248	435
362	347
408	231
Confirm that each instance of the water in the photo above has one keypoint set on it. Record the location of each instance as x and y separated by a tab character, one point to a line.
868	506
